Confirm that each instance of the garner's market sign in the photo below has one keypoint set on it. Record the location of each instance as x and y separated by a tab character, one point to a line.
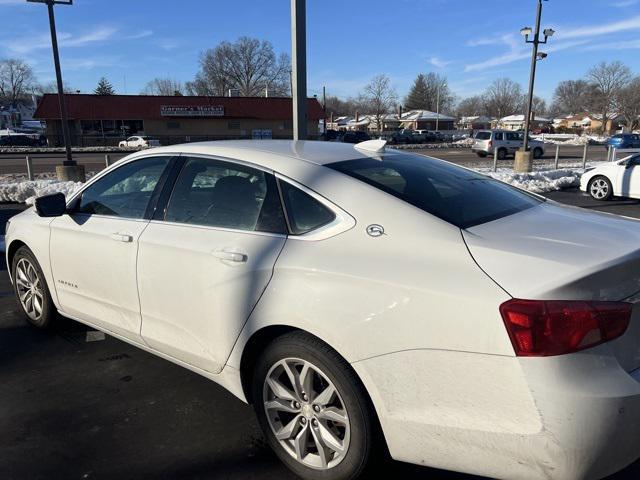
192	111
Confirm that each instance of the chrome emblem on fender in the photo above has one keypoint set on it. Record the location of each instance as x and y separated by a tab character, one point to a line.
375	230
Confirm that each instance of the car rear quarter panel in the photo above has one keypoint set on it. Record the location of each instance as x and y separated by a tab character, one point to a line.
415	287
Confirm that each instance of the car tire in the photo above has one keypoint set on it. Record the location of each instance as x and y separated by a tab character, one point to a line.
311	417
600	188
537	153
482	154
31	290
502	153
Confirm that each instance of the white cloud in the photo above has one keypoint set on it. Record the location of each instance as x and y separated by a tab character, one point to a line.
518	50
632	23
624	3
29	44
623	45
11	2
141	34
438	62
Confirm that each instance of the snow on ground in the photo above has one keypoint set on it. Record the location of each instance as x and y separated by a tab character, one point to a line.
26	191
570	139
540	181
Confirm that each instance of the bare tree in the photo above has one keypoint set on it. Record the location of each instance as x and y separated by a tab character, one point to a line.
571	97
164	87
607	80
16	80
539	106
248	65
629	104
503	97
470	107
424	93
381	98
52	87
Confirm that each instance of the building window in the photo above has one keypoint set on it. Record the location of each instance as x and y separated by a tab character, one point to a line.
233	126
173	125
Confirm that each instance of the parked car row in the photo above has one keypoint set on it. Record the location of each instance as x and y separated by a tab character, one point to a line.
139	141
399	137
23	140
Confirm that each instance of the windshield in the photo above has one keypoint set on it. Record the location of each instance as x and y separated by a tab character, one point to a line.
454	194
483	135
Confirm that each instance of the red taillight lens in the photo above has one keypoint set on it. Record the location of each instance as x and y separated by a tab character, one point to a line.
542	328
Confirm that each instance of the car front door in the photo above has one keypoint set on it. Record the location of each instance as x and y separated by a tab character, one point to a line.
206	258
94	247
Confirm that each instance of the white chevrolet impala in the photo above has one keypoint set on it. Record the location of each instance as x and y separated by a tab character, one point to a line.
362	300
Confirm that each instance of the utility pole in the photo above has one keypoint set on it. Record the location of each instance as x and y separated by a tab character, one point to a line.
324	109
523	160
69	170
299	68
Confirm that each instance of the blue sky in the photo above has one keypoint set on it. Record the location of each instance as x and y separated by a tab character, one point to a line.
471	42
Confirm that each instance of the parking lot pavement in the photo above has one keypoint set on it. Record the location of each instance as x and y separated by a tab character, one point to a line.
103	409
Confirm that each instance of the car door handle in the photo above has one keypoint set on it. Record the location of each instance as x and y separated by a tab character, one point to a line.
230	256
121	237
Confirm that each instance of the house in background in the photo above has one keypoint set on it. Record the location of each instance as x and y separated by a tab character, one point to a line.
478	122
516	122
426	120
589	122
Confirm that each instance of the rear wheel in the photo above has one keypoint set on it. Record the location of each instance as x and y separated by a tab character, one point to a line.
481	154
313	409
600	188
537	153
31	289
502	153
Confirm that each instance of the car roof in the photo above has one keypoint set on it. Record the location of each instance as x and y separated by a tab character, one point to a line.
316	152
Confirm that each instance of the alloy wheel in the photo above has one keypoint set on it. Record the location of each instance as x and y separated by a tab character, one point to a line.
599	188
29	288
306	413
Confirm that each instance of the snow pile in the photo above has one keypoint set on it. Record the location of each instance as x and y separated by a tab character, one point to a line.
26	191
570	139
465	142
541	181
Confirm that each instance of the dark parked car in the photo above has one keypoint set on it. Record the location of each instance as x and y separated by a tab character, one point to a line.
403	136
21	140
625	140
355	137
330	135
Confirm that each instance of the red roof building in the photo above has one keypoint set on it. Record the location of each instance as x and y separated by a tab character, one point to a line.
107	119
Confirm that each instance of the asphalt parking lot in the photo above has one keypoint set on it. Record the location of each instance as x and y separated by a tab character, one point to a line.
77	409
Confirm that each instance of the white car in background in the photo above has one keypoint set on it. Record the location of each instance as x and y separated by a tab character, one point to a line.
360	299
139	142
615	179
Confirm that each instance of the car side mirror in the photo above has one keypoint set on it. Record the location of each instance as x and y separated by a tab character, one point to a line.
54	205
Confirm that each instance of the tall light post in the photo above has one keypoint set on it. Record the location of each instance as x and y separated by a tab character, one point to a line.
523	160
438	104
299	68
69	170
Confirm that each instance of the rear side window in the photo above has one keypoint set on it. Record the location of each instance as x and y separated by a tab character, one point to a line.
483	135
304	212
456	195
221	194
498	136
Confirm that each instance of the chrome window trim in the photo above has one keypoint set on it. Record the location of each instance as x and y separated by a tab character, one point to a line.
218	229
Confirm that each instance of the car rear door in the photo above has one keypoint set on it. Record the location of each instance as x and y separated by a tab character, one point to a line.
628	178
94	247
206	258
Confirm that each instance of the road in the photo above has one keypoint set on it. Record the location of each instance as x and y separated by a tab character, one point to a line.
46	162
75	409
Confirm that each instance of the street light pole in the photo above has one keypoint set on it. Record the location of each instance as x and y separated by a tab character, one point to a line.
64	117
523	157
438	105
532	77
299	68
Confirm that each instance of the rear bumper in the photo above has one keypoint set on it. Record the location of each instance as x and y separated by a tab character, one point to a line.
569	417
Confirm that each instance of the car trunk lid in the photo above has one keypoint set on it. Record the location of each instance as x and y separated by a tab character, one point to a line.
552	252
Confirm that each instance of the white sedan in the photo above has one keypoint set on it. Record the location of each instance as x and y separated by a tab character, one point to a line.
361	300
619	179
139	142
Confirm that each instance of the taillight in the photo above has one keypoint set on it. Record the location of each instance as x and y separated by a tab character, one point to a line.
542	328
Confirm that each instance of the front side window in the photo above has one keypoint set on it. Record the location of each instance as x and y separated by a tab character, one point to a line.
221	194
304	212
456	195
498	135
126	191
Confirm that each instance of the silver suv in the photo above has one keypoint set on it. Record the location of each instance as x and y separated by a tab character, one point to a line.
505	141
